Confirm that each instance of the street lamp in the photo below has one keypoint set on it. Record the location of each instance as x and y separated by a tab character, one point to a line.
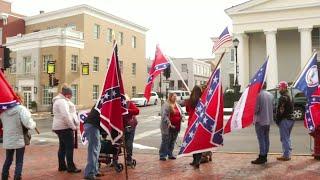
236	83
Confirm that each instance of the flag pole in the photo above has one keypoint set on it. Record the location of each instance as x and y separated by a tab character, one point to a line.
175	68
123	135
217	65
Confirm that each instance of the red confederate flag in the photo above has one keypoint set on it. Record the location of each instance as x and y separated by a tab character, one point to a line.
243	113
207	129
8	98
112	102
159	64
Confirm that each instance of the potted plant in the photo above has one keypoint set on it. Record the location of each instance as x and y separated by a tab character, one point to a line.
34	106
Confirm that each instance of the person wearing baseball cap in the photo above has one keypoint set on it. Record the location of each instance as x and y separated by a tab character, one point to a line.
284	120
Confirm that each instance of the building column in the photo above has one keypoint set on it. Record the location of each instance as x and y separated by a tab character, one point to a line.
272	73
243	60
305	45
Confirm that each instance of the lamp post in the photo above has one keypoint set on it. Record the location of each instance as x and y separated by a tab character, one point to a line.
236	83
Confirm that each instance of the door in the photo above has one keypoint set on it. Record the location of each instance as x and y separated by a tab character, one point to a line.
27	96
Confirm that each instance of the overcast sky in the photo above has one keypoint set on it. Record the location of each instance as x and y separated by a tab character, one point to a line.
182	27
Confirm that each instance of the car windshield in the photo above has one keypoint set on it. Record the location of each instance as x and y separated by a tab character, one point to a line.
139	95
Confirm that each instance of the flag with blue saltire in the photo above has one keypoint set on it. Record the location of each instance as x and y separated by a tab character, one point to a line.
207	130
308	83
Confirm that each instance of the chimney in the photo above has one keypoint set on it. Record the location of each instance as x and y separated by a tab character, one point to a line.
41	11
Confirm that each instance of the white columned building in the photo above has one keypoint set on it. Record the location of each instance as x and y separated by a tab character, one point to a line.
285	30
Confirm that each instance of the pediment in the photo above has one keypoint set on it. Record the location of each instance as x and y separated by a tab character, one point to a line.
254	6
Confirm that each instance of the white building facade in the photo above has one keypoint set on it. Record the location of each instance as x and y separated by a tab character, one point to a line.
285	30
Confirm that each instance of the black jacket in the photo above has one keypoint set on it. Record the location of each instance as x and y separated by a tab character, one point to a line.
93	118
284	109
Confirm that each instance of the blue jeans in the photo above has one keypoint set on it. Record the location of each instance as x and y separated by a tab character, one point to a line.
66	147
285	128
263	138
167	143
9	159
129	138
92	133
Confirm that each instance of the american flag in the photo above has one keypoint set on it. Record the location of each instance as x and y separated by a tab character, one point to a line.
243	113
207	130
112	102
308	83
223	38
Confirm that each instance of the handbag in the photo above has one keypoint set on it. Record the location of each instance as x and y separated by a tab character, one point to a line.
26	135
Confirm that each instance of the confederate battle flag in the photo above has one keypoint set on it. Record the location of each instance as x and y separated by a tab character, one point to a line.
159	64
207	130
308	83
243	113
112	102
8	98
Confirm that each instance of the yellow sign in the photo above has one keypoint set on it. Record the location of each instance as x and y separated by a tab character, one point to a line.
85	69
51	68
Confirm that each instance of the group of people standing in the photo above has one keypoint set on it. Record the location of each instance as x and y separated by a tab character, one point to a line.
264	115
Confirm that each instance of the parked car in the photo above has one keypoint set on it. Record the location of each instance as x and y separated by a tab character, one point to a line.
181	96
140	100
299	101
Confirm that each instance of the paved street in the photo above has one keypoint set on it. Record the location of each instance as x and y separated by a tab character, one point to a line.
148	136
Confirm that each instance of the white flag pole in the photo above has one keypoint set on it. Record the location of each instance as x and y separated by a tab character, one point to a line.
175	68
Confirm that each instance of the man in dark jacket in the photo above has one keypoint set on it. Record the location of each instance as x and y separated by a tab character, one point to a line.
285	121
92	133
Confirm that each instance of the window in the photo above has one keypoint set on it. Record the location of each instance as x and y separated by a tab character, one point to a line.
27	64
109	36
95	92
45	60
171	85
232	55
231	80
121	66
120	38
134	42
95	64
74	63
134	91
134	68
96	31
184	68
74	89
13	68
46	96
71	26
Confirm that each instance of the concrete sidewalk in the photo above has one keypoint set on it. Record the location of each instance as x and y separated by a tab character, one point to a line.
41	163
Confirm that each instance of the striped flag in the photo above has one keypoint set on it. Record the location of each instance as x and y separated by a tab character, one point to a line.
243	113
223	38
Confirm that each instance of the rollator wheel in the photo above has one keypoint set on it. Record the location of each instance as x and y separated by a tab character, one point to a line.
134	163
118	167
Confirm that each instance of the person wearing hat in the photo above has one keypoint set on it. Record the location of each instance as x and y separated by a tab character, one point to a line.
64	123
284	120
14	117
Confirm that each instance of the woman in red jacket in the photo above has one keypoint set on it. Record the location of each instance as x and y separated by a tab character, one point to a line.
191	104
130	123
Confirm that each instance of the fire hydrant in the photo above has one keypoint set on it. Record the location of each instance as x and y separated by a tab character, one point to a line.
316	150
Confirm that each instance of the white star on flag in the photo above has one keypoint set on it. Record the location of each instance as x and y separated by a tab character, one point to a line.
201	114
199	109
191	134
5	107
114	93
205	120
124	102
184	144
106	95
210	91
215	80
